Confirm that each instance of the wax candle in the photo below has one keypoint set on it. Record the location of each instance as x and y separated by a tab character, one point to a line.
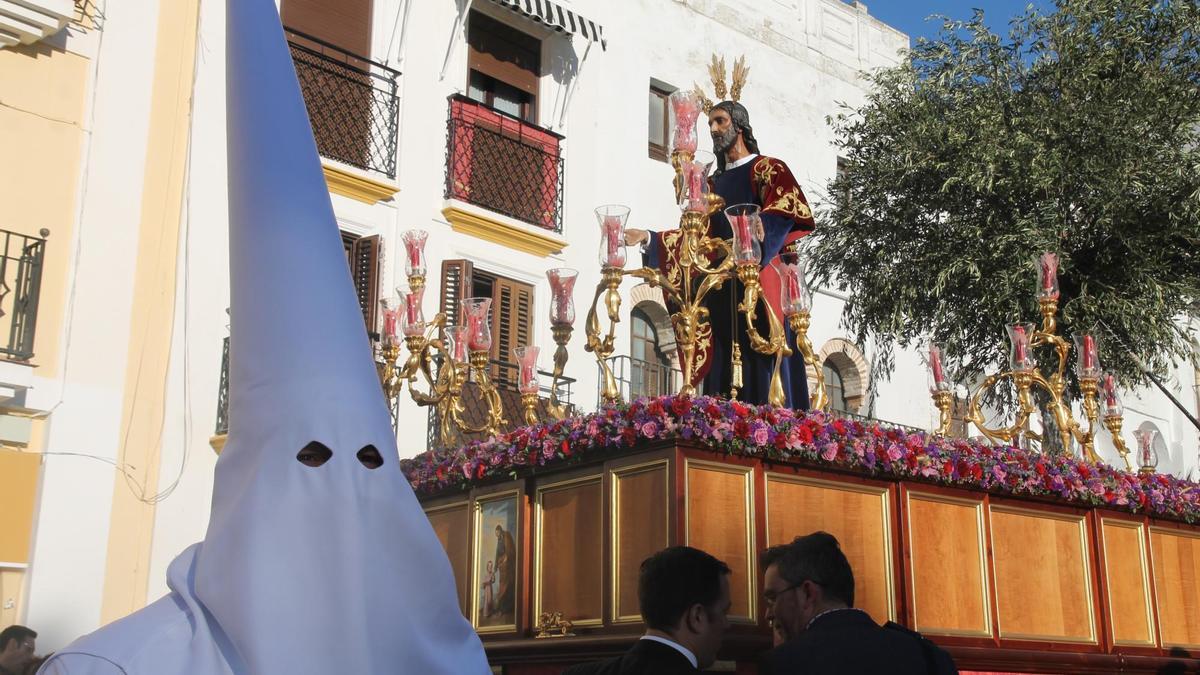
389	321
1089	352
744	238
612	230
935	364
1020	346
1110	390
1049	274
414	247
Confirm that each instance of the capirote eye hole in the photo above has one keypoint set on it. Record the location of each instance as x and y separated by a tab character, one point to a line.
370	457
314	454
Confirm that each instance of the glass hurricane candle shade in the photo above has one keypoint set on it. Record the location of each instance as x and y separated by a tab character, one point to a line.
414	252
1110	400
685	108
390	309
412	316
611	218
746	224
1020	356
1047	276
1087	360
477	314
456	343
937	368
694	197
562	303
794	296
527	377
1147	456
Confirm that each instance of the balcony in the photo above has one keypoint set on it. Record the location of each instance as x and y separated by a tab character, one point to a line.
503	164
21	259
351	104
504	375
637	378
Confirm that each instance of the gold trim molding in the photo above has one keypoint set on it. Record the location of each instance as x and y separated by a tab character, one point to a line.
497	231
615	477
981	552
1140	528
539	547
357	186
746	473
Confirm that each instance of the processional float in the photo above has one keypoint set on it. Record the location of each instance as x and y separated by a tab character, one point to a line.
447	354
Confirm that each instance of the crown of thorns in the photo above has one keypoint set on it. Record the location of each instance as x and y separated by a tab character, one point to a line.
716	72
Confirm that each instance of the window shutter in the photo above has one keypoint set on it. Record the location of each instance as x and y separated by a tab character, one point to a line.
364	268
512	316
345	23
456	285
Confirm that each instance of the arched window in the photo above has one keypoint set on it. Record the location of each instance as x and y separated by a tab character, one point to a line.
833	387
650	369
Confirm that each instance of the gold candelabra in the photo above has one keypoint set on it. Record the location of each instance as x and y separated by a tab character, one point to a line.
428	343
704	264
1026	377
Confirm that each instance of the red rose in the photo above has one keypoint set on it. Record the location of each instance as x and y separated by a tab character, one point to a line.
566	448
839	426
739	409
681	406
804	434
479	473
947	468
1040	468
654	407
741	429
1084	472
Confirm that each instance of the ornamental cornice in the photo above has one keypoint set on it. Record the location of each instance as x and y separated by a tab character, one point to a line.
499	230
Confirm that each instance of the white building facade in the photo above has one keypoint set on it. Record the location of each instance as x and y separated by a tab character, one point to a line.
497	126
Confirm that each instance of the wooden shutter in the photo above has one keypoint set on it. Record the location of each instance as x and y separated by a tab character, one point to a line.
504	53
344	23
456	285
364	269
512	317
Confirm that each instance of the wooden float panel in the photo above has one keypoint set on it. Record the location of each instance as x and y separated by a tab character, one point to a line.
1176	560
1043	582
640	528
719	520
947	565
1127	580
858	515
569	566
452	525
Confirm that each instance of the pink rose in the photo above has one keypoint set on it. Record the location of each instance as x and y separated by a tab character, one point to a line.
894	452
760	436
830	452
649	429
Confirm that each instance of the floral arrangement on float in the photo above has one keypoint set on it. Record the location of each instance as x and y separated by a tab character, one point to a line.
814	439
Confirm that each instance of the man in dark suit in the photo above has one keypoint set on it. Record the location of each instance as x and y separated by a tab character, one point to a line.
808	587
684	597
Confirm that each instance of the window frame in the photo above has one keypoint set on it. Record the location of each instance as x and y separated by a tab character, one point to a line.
662	152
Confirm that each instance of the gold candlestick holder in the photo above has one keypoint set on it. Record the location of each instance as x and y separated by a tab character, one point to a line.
704	264
1052	386
562	335
944	400
799	322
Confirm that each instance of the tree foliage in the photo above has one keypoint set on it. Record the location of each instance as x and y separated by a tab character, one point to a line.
1077	133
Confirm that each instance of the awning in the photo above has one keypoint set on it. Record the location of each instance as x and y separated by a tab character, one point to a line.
554	16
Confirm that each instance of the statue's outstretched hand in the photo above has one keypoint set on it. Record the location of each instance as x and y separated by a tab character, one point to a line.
635	237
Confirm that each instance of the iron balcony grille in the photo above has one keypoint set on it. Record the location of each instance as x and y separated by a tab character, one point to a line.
351	103
21	262
637	378
504	376
223	393
503	164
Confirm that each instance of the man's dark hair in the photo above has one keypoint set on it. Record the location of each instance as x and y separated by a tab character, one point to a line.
815	557
15	632
673	580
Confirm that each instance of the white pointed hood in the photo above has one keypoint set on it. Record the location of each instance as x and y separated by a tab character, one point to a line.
329	569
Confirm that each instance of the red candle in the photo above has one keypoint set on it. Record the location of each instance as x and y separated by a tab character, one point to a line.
793	286
414	253
1020	345
935	363
1110	391
527	375
460	348
1089	352
562	300
412	305
473	332
695	185
612	230
741	225
389	323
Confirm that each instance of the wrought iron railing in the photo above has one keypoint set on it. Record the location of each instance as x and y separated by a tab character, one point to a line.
503	164
637	378
351	103
223	393
21	260
504	376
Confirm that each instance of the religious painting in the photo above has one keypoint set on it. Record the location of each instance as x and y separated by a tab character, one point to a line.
496	556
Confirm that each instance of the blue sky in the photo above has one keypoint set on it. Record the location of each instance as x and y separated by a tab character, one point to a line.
909	15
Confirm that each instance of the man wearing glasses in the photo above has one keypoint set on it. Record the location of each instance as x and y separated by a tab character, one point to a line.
808	587
16	649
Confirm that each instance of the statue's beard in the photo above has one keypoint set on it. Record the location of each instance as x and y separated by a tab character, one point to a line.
724	141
